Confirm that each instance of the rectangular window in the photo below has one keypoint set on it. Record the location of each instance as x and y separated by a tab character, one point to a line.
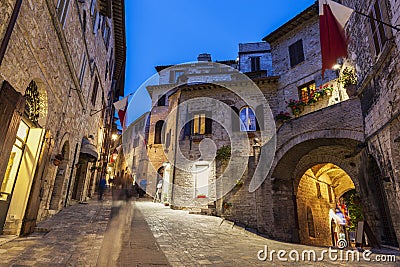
62	10
378	30
306	91
94	91
174	76
201	124
161	101
255	63
296	53
83	69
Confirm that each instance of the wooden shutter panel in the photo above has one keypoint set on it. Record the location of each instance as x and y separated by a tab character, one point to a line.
12	105
187	128
208	126
235	119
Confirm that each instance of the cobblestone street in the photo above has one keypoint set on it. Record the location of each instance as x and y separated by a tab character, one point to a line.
142	233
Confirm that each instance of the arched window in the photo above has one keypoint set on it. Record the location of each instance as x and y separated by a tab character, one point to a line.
158	132
310	223
247	120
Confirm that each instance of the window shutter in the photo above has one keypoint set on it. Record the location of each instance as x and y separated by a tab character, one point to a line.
296	53
188	128
235	119
12	105
208	126
385	17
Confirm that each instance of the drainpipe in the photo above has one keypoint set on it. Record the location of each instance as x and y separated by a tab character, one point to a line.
10	29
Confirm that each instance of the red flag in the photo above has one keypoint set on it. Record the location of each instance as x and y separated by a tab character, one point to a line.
121	107
332	18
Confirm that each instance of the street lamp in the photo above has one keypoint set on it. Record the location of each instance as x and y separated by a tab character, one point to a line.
114	137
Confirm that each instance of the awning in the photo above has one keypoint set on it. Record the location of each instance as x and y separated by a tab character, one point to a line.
88	150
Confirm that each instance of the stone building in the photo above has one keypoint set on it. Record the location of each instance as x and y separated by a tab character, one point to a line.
336	141
62	64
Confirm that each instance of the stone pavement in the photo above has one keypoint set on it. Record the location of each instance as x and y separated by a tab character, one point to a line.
73	237
195	240
142	233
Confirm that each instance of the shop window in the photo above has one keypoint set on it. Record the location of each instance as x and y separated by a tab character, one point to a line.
306	91
310	223
296	53
158	132
14	162
62	10
247	120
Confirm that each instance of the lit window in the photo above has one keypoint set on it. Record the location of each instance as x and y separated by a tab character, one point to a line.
306	91
248	120
201	124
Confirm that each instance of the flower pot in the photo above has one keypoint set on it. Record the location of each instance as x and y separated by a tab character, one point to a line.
201	196
351	90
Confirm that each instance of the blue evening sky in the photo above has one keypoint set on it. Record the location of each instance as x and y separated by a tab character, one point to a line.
164	32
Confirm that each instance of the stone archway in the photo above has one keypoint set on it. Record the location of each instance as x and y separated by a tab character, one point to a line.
319	191
347	154
60	181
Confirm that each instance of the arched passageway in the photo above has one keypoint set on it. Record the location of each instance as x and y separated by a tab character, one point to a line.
342	165
321	203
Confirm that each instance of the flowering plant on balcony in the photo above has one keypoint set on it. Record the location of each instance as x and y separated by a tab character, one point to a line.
348	77
283	116
297	106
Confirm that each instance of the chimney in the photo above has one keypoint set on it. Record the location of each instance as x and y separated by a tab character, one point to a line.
204	57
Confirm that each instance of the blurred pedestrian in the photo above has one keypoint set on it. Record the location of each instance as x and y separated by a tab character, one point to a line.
102	187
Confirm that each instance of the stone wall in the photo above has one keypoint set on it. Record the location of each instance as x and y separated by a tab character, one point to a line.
43	50
378	83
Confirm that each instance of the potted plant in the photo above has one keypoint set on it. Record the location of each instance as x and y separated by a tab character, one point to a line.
57	159
297	106
348	79
283	116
